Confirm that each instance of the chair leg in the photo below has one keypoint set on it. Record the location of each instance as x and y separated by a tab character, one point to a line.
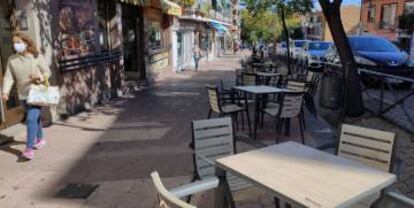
242	120
248	122
302	114
279	122
301	131
235	115
277	202
188	200
209	113
287	133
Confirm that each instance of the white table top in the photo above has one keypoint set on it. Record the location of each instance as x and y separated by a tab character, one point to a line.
268	74
260	89
307	176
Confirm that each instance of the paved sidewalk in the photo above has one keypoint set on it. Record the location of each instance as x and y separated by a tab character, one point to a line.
118	145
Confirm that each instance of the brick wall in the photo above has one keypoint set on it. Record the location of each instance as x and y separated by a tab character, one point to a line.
373	27
350	16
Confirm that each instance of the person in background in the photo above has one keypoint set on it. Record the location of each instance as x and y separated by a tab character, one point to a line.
196	55
24	68
261	50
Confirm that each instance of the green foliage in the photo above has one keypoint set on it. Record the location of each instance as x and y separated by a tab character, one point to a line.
186	3
291	9
266	26
263	26
205	9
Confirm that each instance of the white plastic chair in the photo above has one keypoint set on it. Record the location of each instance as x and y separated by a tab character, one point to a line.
171	198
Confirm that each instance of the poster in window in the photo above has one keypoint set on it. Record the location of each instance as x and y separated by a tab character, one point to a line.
78	33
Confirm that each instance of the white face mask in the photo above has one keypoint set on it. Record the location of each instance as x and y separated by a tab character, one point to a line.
19	47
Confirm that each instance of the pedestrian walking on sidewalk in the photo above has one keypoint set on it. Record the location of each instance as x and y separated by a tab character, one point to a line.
24	68
196	55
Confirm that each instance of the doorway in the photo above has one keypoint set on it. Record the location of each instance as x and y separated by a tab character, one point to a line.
180	50
133	42
11	111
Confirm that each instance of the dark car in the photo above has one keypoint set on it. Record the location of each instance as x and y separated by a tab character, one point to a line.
377	53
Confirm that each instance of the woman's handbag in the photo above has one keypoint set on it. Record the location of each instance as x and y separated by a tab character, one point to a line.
43	94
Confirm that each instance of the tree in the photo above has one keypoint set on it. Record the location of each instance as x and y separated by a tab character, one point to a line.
284	8
259	27
353	90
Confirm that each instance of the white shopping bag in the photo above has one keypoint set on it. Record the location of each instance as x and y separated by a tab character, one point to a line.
43	95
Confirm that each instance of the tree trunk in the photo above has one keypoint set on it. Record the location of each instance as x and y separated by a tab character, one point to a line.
353	104
286	31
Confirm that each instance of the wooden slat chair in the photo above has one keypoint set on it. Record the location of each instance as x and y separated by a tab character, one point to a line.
372	147
249	79
296	86
311	87
171	198
239	77
223	110
270	66
213	139
290	107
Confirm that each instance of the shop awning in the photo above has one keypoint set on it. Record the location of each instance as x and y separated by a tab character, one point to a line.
137	2
220	28
171	8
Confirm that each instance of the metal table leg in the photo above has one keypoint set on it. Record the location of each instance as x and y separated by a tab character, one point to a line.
221	196
256	117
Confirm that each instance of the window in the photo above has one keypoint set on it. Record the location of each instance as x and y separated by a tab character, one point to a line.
409	7
155	35
371	13
389	13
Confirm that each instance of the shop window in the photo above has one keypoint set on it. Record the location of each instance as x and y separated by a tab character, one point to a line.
78	34
155	35
409	7
389	13
371	13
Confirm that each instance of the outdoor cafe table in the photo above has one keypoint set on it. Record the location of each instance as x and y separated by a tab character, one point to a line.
303	175
258	91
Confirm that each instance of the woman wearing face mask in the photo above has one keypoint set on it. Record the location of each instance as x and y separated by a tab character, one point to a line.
24	68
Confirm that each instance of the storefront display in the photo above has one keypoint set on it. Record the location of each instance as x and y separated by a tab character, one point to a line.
158	60
78	32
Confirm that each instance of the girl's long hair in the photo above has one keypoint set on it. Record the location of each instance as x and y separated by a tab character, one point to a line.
31	46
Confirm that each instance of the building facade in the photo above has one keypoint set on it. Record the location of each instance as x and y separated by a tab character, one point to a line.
316	28
208	25
381	17
95	48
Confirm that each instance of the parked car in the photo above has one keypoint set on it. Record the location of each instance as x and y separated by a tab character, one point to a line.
379	54
296	48
314	52
282	49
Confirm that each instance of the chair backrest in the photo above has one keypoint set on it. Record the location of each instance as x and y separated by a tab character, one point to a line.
213	98
166	199
296	86
213	139
372	147
249	79
291	105
284	71
310	76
